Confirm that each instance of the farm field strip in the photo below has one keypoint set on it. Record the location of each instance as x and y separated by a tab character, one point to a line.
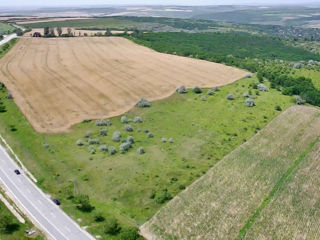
59	82
219	204
294	211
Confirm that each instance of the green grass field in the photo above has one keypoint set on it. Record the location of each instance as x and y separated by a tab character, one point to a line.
122	186
313	74
230	198
5	28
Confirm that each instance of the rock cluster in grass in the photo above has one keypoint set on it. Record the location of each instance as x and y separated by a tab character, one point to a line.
92	141
103	132
299	100
230	96
112	150
249	102
137	119
105	122
128	128
141	150
182	90
103	148
210	92
79	142
143	103
262	87
124	119
116	136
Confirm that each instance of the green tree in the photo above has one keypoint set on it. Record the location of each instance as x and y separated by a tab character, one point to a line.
112	226
59	30
83	203
46	31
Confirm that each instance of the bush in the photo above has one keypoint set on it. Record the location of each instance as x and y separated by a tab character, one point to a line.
98	217
216	89
262	87
299	100
146	130
112	226
245	95
93	141
124	119
129	234
170	140
92	150
88	134
150	135
116	136
103	132
103	148
79	142
210	92
83	203
278	108
130	140
9	96
112	150
163	140
105	122
181	90
137	119
197	90
141	150
143	103
163	197
249	102
230	96
125	146
203	98
128	128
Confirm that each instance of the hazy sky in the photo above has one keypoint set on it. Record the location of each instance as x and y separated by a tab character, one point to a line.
158	2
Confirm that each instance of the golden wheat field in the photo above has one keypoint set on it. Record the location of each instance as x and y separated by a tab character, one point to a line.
60	82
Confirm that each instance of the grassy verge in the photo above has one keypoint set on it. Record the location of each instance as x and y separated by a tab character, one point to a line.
11	228
132	187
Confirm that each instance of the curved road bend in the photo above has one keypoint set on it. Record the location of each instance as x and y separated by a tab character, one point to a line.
38	207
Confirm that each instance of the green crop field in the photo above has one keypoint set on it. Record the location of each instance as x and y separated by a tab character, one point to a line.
232	196
294	212
132	187
5	28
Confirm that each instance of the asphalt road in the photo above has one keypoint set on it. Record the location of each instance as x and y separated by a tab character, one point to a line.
8	38
48	216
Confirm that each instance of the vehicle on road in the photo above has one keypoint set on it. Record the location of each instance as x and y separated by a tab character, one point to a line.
56	201
17	172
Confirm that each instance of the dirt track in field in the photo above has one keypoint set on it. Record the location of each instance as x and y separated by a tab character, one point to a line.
60	82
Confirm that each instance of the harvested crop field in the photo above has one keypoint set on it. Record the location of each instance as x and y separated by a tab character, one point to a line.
59	82
230	201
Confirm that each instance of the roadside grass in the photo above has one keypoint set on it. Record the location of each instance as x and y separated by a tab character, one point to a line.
5	28
236	190
122	185
16	230
294	211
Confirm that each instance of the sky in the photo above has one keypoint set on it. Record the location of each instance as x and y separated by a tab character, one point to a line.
24	3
